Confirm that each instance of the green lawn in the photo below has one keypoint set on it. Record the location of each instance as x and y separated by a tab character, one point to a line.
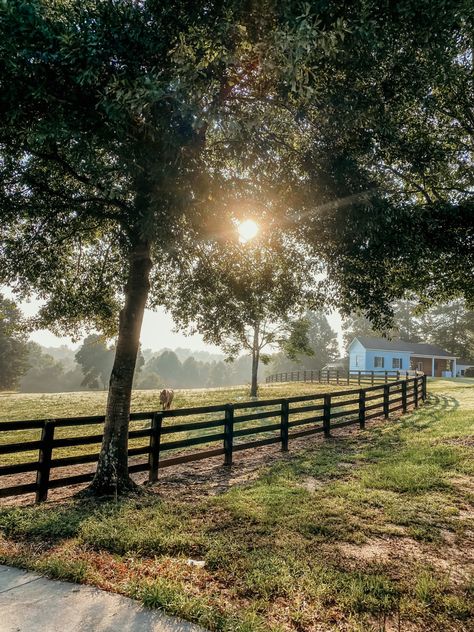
368	531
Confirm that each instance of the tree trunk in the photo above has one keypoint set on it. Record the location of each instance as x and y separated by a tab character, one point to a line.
112	470
255	361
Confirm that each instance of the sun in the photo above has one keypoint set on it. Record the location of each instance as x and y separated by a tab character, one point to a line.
247	230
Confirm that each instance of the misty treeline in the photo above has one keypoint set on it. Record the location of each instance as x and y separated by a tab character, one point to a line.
29	367
57	369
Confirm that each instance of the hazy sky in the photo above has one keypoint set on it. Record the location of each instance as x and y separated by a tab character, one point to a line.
157	331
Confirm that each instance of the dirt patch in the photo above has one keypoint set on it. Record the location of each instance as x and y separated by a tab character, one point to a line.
451	558
312	484
464	484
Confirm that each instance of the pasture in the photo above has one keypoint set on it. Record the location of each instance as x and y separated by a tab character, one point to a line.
370	530
18	407
15	406
45	454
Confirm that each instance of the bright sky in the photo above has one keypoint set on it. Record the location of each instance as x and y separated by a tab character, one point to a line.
157	331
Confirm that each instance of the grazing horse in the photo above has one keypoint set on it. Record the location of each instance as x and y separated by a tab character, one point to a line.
166	397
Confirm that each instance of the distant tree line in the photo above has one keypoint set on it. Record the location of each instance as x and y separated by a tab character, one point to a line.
29	367
61	369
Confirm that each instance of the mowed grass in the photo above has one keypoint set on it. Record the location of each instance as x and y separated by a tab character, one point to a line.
368	531
26	406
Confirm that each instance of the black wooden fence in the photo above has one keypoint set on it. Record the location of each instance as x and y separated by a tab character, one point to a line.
339	376
230	432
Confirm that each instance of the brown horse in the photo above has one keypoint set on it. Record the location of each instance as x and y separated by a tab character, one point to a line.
166	398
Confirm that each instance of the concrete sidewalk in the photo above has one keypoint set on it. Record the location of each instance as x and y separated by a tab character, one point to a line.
31	603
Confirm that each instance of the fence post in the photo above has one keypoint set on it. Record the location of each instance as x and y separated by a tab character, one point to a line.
228	434
386	400
328	375
406	375
319	376
155	440
423	387
372	382
415	392
398	376
312	376
386	377
404	396
44	461
337	377
358	379
327	415
362	408
284	425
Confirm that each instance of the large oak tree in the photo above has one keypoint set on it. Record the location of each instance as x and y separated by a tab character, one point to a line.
130	131
127	133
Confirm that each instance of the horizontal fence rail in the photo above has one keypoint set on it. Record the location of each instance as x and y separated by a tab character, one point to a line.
339	376
164	436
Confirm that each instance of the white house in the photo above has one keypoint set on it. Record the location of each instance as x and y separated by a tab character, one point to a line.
462	365
367	353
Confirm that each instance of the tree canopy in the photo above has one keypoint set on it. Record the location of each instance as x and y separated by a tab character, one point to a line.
13	347
96	360
134	134
245	297
320	341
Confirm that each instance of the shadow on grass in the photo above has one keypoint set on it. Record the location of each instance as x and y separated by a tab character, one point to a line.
52	522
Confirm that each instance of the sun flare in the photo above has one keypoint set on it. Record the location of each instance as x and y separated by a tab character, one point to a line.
247	230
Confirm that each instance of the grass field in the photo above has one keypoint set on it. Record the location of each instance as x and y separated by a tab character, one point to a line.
21	406
50	405
372	530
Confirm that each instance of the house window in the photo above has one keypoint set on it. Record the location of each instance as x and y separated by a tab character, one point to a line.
396	363
359	360
379	362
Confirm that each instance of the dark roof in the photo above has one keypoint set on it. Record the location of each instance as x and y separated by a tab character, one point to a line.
464	361
421	348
